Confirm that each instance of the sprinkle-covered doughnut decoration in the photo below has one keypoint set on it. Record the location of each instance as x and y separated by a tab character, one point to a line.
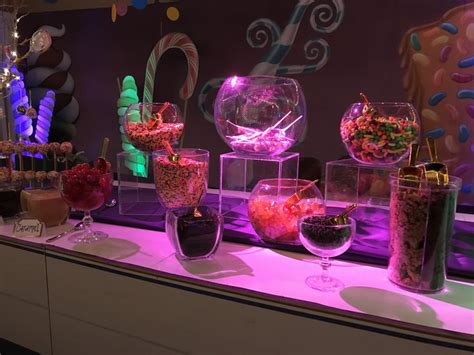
444	53
437	98
466	62
466	94
449	27
463	133
435	133
461	77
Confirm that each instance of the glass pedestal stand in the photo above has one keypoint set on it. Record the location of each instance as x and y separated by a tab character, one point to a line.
240	173
348	181
136	192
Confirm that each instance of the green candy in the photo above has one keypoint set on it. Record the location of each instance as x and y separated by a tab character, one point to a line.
129	83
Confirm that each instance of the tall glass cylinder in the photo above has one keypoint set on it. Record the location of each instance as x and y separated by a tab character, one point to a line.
421	224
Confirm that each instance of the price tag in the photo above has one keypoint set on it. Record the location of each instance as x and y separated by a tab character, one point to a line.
28	227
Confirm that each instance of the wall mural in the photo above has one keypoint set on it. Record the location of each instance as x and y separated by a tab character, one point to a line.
324	18
50	71
438	59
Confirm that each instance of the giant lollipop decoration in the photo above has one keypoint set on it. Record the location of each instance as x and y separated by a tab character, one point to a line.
185	44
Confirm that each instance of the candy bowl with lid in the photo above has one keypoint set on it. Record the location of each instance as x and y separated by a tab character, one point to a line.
276	205
148	125
379	133
260	115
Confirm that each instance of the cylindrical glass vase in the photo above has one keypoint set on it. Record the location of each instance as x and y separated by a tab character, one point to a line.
421	223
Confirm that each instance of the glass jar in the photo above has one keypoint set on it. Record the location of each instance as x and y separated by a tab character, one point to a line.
10	203
148	125
181	182
379	133
260	115
274	210
195	233
421	224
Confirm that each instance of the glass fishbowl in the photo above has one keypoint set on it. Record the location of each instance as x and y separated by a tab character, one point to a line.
276	205
260	115
148	125
379	133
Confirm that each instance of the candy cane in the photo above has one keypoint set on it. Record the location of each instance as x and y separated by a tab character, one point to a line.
185	44
179	41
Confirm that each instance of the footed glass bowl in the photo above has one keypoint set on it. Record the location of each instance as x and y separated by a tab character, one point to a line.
379	133
148	125
260	115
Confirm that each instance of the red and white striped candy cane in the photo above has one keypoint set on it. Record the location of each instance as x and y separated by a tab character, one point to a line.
169	41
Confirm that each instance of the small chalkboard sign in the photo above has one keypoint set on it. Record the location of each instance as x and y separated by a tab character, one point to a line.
28	227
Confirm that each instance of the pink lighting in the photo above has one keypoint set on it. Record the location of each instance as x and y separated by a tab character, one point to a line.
233	81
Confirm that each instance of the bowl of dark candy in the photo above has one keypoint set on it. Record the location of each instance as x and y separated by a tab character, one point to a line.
323	238
195	233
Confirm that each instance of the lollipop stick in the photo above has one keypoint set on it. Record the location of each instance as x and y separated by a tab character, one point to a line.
105	147
55	161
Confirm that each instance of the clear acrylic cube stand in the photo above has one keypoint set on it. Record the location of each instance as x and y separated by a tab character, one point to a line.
136	195
240	173
348	181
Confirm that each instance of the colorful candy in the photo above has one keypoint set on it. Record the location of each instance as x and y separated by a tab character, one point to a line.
463	133
470	110
466	62
466	94
181	183
461	78
444	53
439	40
150	139
435	133
437	98
415	41
379	139
449	27
276	223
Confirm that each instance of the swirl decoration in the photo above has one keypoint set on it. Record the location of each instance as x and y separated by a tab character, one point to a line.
45	115
18	97
260	31
324	18
137	160
49	71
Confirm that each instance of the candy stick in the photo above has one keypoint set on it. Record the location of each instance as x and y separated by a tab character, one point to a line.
292	123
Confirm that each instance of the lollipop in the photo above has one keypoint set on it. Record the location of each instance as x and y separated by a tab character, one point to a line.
32	148
19	149
4	175
52	176
30	176
65	148
41	176
17	176
55	148
8	148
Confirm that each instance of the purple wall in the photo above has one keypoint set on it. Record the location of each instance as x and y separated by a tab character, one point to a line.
364	57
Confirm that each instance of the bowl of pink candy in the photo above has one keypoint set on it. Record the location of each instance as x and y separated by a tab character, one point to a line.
260	115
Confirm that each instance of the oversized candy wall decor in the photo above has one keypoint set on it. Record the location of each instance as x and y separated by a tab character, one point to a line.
19	102
128	95
438	59
45	115
325	18
185	44
49	71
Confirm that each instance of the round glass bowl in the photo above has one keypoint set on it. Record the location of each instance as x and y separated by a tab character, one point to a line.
181	182
379	133
260	115
276	205
148	125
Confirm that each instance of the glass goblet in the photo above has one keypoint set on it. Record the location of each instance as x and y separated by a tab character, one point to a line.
86	190
325	240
